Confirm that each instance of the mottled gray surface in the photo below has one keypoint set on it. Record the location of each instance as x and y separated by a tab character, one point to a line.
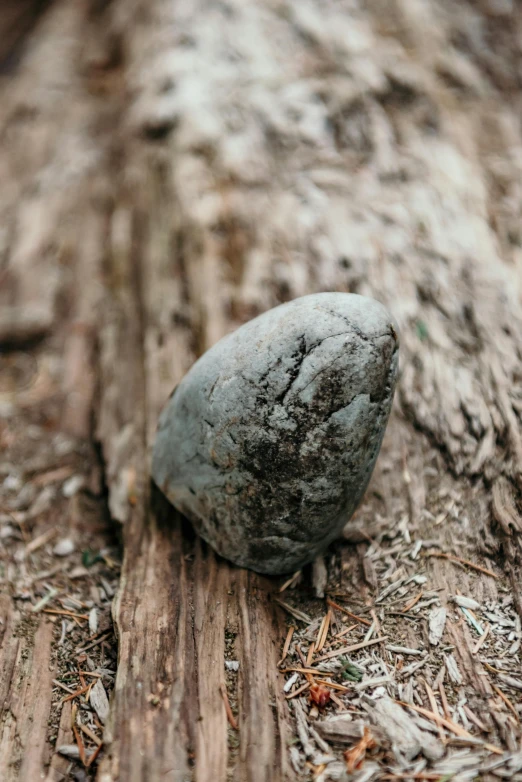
268	443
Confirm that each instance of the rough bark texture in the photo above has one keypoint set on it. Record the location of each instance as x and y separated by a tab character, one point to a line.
171	169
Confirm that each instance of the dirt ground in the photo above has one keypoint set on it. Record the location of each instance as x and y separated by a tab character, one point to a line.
170	170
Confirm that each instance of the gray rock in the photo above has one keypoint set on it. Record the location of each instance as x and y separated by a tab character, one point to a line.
268	443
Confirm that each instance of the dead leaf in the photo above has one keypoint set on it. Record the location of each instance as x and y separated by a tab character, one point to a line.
355	757
320	695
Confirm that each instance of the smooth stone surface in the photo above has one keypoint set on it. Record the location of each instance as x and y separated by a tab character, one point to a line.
268	443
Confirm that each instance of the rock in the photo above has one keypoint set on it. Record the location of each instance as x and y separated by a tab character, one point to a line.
64	547
268	443
73	485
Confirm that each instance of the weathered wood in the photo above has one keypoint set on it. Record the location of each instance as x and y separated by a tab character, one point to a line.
58	769
47	164
172	169
176	685
25	694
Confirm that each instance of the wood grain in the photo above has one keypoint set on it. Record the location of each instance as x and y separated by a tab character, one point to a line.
25	696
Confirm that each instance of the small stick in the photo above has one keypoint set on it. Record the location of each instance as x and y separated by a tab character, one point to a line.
75	694
338	702
324	634
300	654
45	599
64	613
228	710
413	602
286	647
40	540
306	670
59	684
352	648
339	687
320	632
94	643
95	754
297	692
300	615
506	700
348	613
310	654
52	476
88	732
47	573
489	667
473	717
449	724
461	561
375	621
289	581
421	775
434	707
79	741
444	701
481	640
346	631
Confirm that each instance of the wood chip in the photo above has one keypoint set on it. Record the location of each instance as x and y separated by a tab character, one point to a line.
319	576
342	729
69	751
290	683
99	701
93	621
436	624
403	733
453	669
466	602
376	681
510	681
